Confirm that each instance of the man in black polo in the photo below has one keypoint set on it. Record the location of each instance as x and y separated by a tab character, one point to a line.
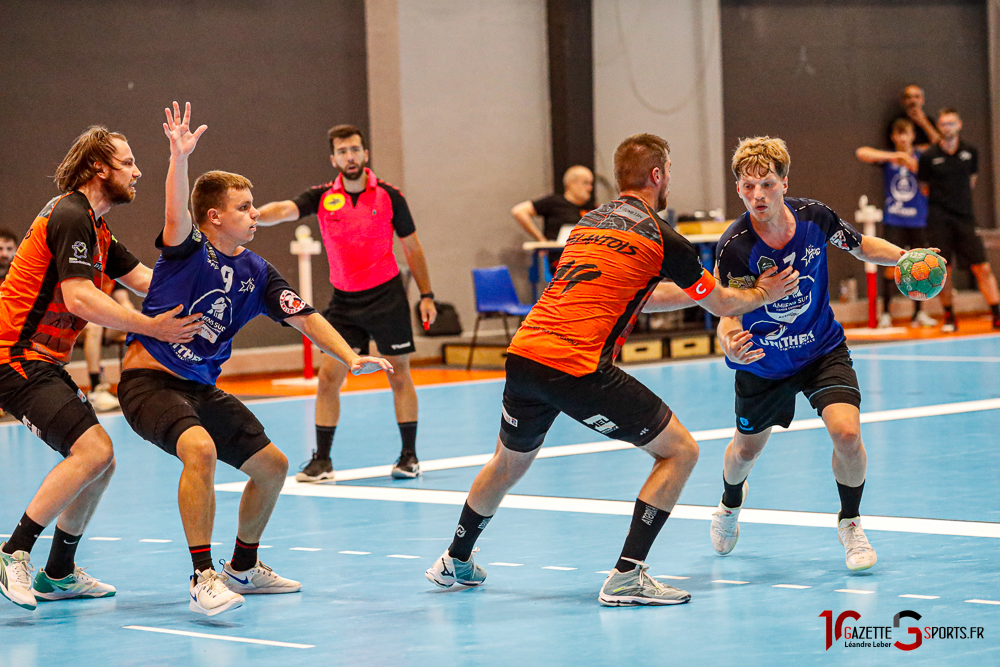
947	175
557	210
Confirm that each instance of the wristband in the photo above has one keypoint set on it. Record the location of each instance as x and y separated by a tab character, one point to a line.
428	295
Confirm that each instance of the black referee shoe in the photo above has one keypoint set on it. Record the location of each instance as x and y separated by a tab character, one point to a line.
317	470
407	466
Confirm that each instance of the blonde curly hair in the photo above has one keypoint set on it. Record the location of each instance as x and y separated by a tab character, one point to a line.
756	156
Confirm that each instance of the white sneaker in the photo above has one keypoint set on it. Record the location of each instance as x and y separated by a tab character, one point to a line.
860	555
209	594
448	571
924	320
258	580
102	399
15	578
885	321
725	528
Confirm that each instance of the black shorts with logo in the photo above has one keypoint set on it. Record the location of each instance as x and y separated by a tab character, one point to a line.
762	403
907	238
611	402
160	407
956	237
381	313
43	397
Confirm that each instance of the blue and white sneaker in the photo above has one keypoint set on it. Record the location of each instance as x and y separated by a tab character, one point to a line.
260	579
210	595
448	571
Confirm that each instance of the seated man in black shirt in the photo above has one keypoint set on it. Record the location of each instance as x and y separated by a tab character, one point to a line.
557	210
947	175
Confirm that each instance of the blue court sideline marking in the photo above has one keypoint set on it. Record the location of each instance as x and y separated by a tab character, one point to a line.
204	635
625	508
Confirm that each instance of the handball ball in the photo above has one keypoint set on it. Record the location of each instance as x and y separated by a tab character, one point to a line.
920	274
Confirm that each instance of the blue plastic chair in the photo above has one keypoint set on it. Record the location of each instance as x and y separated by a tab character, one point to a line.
495	297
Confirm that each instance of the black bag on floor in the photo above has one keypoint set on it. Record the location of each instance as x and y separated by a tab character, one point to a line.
447	322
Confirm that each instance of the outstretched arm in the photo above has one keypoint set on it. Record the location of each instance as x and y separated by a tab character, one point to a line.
878	251
876	156
315	327
177	225
727	301
277	212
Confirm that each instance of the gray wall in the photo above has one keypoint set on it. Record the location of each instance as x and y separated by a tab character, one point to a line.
269	78
831	82
657	68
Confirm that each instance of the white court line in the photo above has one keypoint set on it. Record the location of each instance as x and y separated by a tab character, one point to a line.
729	581
794	586
921	597
601	446
626	507
974	601
104	539
356	553
303	549
856	591
667	576
156	541
559	567
506	564
205	635
401	556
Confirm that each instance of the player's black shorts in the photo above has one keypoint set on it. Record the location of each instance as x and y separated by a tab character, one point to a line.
44	398
160	407
762	403
611	402
381	313
907	238
956	237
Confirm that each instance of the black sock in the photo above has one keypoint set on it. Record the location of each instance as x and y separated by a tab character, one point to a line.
850	501
949	312
95	379
732	497
995	310
888	287
646	524
916	310
62	555
470	527
24	536
244	555
324	440
201	557
408	434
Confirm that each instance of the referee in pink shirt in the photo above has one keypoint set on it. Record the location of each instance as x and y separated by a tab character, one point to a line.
358	214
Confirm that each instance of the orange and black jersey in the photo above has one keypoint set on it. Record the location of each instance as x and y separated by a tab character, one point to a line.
65	241
613	260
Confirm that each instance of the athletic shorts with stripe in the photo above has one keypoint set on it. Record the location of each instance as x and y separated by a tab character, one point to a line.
160	407
43	397
608	401
762	403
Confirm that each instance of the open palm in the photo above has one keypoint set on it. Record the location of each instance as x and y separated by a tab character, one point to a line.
178	130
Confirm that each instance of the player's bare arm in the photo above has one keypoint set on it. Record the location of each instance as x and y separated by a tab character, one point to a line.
177	225
277	212
417	261
137	280
771	286
737	344
878	251
876	156
525	213
84	300
315	327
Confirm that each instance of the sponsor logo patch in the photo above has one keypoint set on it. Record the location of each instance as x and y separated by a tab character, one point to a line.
290	302
507	418
333	202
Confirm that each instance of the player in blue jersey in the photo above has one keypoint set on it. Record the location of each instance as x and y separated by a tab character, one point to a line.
793	345
168	393
905	215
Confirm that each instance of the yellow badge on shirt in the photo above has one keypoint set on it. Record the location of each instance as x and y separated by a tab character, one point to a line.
333	201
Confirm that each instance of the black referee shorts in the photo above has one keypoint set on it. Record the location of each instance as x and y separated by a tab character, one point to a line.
381	313
956	237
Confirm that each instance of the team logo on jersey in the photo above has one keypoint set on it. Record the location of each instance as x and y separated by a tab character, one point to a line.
965	155
333	202
812	252
741	282
840	241
196	234
79	253
218	308
247	285
765	263
217	314
290	302
793	305
574	274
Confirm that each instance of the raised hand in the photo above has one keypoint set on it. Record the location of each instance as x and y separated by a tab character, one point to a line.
172	329
178	130
739	348
777	286
365	365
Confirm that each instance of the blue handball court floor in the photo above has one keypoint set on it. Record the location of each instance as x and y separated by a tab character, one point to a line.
931	509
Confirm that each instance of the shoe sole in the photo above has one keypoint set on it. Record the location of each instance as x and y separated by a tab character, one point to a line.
631	601
54	597
325	477
273	590
22	605
197	608
863	567
443	584
402	474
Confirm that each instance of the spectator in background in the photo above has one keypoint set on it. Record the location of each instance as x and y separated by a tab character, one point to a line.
8	246
905	216
947	176
94	338
912	101
557	210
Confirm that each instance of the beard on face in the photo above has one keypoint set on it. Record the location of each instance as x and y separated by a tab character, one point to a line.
357	174
117	194
661	199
